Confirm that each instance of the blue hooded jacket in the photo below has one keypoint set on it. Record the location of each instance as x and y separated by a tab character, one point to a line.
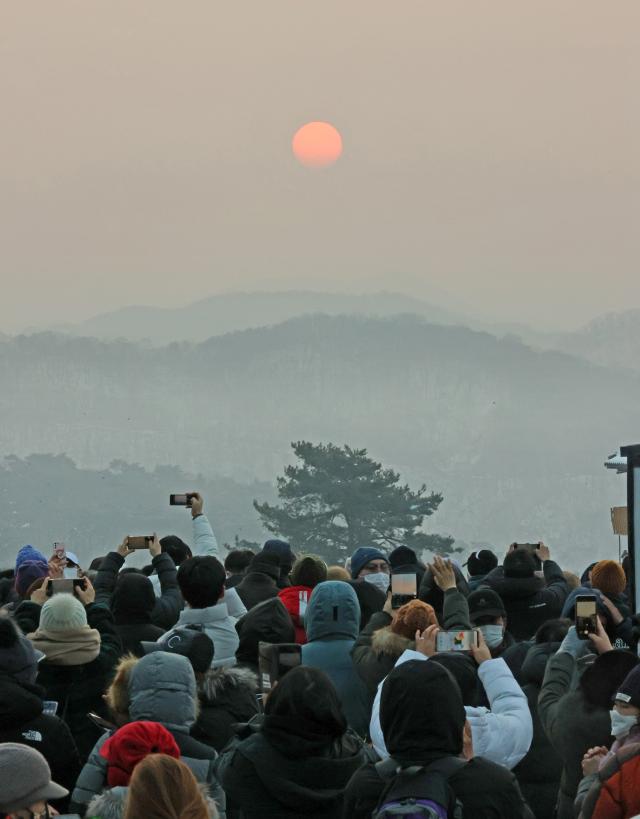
332	622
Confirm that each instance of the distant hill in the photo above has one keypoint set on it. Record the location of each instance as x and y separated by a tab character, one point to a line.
612	340
514	438
230	312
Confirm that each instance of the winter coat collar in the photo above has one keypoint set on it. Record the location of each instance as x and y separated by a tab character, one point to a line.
19	704
385	641
221	680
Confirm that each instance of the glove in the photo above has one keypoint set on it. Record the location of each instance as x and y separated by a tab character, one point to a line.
573	645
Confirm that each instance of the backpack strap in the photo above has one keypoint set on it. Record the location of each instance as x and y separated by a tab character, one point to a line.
448	766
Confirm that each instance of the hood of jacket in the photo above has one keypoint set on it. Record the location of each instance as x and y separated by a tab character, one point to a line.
19	704
333	611
269	622
306	784
535	663
513	588
162	688
385	641
109	804
219	682
133	599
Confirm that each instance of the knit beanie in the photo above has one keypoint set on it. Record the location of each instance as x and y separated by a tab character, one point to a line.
629	691
63	612
402	556
309	571
413	616
130	745
266	563
30	565
609	577
519	563
481	562
282	549
18	657
362	556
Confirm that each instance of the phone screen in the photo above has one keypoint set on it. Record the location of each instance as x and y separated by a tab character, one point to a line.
586	617
456	640
64	585
180	500
404	588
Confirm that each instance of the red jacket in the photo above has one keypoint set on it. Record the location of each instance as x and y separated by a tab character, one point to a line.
617	792
295	600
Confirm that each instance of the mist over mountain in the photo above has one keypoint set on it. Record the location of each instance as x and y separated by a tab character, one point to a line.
229	312
514	438
611	340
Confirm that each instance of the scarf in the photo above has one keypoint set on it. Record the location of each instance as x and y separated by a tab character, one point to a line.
77	646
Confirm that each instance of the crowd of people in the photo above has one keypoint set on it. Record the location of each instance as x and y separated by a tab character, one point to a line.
142	692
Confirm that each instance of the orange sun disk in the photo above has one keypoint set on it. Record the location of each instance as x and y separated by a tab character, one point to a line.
317	144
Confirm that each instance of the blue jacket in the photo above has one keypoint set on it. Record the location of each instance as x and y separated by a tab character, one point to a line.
332	621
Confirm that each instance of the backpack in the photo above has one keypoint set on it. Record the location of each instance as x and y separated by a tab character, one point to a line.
418	792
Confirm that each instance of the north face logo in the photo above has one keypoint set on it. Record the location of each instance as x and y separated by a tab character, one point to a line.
32	736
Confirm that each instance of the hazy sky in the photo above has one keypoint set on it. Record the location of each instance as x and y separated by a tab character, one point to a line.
491	153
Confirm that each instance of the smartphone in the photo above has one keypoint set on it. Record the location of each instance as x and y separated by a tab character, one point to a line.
70	574
274	660
456	640
404	589
139	541
101	722
586	617
181	500
60	550
64	585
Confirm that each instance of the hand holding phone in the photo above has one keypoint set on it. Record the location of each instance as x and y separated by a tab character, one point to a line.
586	616
184	499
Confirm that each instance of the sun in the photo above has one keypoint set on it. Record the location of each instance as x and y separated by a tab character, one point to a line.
317	144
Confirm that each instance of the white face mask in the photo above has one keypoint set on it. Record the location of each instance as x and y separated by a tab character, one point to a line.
621	725
493	635
378	579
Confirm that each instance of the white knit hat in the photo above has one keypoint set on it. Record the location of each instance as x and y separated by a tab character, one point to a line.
62	613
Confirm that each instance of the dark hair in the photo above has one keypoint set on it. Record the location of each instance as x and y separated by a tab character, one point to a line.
306	699
176	548
601	680
309	570
519	563
238	560
201	581
96	563
553	631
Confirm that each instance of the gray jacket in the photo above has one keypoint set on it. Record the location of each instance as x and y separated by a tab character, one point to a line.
162	688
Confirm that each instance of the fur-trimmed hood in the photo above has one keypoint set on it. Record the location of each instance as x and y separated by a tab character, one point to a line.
385	641
118	692
220	681
110	804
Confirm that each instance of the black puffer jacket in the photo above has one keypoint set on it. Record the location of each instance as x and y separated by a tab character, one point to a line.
227	697
256	587
539	772
78	688
166	608
22	720
530	601
288	781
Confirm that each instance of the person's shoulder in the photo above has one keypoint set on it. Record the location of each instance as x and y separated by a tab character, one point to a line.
479	772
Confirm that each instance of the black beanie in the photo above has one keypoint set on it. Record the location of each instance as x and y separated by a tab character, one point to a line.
600	682
519	563
402	556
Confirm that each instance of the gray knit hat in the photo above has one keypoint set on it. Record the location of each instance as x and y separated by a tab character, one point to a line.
25	778
62	613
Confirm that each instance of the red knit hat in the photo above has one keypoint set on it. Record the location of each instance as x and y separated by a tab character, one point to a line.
608	576
131	744
413	616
